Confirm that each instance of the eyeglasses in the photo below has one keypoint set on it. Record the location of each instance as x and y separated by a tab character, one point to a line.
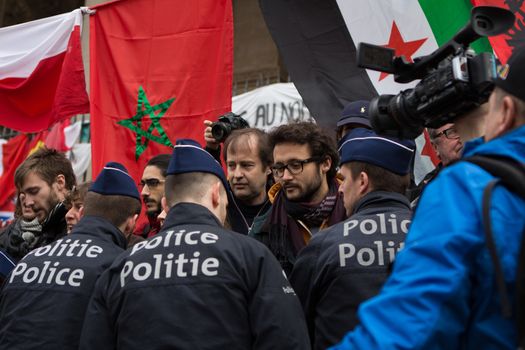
450	133
151	183
295	167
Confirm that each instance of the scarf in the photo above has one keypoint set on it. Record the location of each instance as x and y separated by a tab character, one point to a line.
285	234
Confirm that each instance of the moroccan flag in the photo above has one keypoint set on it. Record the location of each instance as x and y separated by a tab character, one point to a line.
159	68
41	73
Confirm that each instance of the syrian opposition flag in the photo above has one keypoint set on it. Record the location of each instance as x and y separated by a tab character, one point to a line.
318	43
41	73
159	68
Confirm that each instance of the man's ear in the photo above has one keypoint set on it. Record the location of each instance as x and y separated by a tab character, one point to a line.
326	164
510	115
216	194
364	183
60	181
164	204
81	211
129	225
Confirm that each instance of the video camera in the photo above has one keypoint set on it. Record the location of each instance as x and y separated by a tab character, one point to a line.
226	123
454	80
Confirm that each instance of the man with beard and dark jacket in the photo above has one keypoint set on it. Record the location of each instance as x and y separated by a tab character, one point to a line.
305	197
195	284
44	299
348	263
43	180
152	185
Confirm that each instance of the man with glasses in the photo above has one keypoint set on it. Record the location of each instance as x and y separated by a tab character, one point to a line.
152	191
447	144
305	197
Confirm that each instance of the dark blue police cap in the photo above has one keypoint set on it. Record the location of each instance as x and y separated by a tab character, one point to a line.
115	180
189	157
355	113
366	146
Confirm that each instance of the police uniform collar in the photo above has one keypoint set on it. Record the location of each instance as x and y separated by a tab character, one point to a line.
379	198
101	228
190	214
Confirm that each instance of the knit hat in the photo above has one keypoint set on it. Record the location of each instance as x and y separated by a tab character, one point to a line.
510	75
355	113
115	180
189	157
366	146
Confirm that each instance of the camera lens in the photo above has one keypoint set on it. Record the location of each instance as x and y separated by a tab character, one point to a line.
220	131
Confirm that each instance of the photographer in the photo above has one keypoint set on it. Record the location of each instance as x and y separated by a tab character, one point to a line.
442	292
248	159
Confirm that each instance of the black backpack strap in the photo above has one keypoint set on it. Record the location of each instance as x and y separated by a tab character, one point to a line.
511	174
506	307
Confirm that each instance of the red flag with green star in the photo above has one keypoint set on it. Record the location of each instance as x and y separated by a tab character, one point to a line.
159	68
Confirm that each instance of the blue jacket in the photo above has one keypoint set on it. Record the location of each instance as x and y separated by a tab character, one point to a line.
442	292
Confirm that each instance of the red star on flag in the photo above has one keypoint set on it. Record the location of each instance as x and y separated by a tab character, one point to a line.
428	150
401	47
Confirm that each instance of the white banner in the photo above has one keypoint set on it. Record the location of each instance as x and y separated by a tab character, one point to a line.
271	106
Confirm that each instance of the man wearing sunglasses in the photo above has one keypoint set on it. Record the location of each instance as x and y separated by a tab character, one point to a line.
152	190
305	197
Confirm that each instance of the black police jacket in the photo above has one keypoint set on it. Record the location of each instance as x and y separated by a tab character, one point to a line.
194	285
43	301
348	263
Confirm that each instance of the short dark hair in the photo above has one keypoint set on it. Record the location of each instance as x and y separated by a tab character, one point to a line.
161	161
47	163
114	208
321	144
380	178
188	186
237	137
78	193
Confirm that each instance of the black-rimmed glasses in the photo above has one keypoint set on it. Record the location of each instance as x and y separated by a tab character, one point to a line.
151	183
450	133
295	167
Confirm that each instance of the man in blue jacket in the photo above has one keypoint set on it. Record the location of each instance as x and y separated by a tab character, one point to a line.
442	293
195	284
44	299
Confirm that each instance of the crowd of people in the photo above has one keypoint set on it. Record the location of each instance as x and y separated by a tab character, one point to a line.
306	241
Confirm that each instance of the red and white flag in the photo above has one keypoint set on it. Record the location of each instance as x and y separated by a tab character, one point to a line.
41	72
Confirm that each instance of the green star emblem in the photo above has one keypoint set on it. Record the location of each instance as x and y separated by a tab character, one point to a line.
134	123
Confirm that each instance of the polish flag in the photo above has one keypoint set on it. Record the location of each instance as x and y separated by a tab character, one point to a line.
41	72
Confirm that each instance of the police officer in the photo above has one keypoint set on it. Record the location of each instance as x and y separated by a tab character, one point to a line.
195	284
43	302
347	263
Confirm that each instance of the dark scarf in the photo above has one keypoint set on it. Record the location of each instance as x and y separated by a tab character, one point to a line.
286	237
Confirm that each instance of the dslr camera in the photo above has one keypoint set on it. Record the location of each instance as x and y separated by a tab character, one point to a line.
226	123
454	80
